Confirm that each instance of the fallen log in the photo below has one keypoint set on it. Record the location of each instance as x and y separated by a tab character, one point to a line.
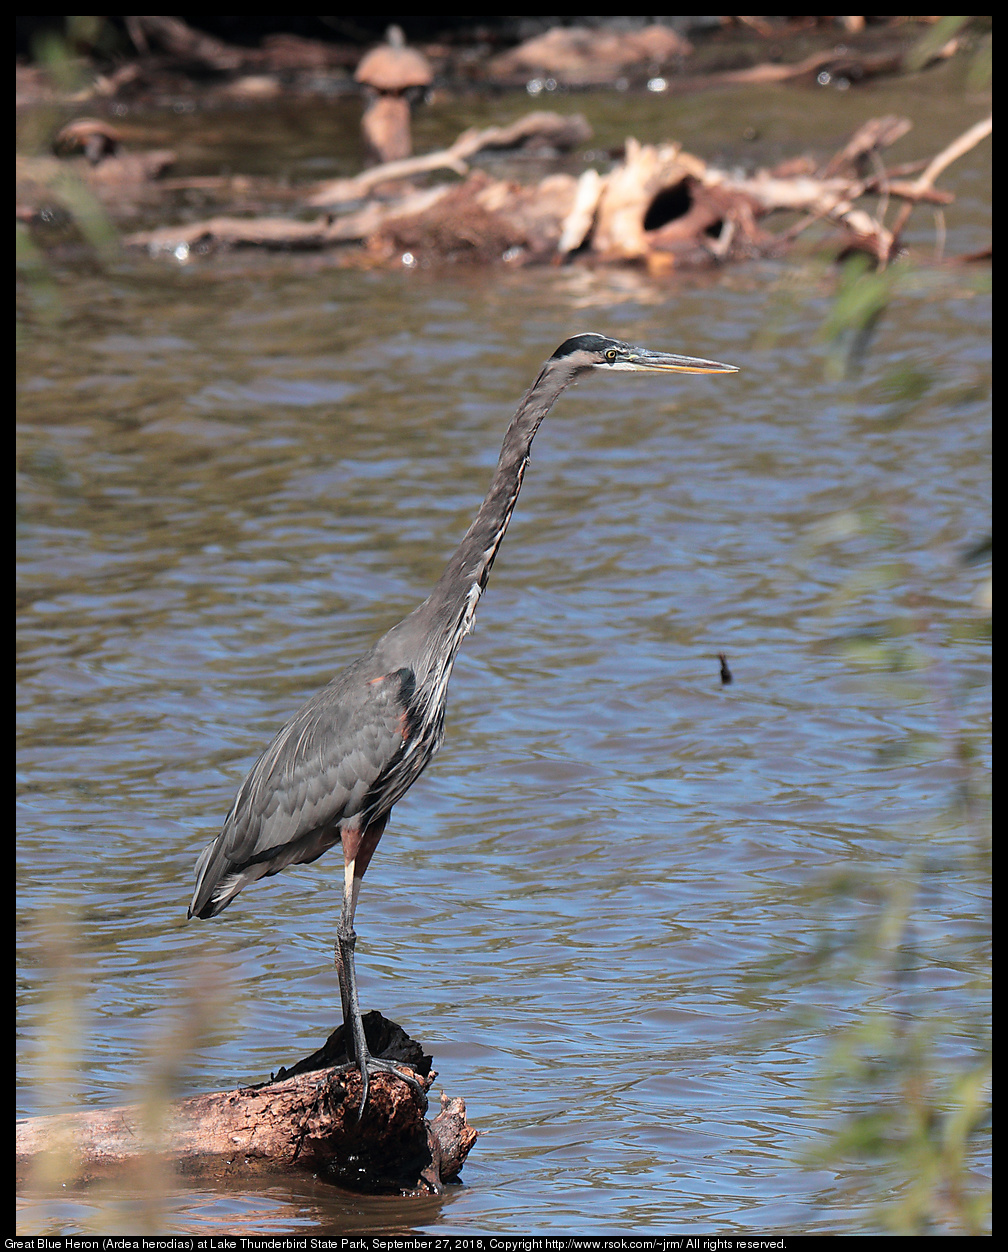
534	129
183	42
482	219
580	56
660	206
304	1120
831	65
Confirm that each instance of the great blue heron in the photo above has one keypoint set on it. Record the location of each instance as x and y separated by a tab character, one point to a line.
333	773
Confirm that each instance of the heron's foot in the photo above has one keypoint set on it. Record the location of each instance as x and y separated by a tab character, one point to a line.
379	1065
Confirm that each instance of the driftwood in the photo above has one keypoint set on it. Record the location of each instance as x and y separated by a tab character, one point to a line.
582	56
923	186
117	181
182	42
660	206
533	130
577	57
304	1120
867	140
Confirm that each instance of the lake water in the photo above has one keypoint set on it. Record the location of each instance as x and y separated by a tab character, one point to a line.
609	905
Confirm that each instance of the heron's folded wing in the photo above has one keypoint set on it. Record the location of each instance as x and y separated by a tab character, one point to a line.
321	767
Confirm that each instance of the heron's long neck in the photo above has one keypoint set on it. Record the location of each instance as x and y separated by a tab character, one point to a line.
452	603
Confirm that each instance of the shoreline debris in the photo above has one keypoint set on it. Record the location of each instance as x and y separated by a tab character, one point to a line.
660	206
304	1120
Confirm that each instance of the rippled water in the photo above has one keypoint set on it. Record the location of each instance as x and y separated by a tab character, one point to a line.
602	906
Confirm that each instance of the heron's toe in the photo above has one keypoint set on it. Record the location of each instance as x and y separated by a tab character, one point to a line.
378	1063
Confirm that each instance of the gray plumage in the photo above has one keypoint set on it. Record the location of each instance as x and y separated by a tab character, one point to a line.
333	773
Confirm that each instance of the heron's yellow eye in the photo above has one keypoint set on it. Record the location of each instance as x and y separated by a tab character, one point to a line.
611	354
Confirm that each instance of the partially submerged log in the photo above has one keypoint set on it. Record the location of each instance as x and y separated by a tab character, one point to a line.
482	219
647	172
304	1120
117	181
660	206
183	42
90	156
580	56
534	130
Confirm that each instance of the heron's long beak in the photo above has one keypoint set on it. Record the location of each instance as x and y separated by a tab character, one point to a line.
644	359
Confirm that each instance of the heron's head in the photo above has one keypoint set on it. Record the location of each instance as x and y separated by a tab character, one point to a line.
584	352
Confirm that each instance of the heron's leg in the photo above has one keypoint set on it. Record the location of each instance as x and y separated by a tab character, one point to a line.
357	849
346	968
357	854
345	924
341	967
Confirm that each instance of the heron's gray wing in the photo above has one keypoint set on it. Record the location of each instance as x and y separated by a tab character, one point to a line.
324	768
